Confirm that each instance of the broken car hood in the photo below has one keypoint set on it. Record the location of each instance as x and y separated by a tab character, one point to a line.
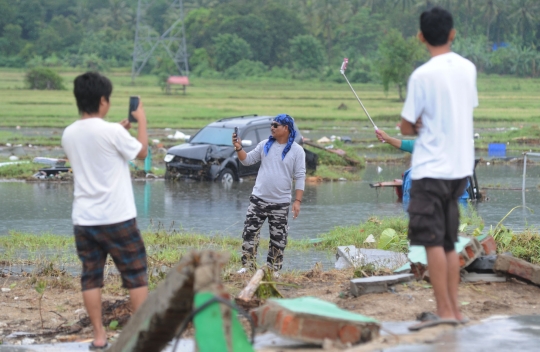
202	152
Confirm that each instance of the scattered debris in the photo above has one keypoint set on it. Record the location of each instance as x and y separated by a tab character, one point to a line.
483	264
350	256
377	284
312	320
157	322
518	267
178	135
342	106
323	140
475	277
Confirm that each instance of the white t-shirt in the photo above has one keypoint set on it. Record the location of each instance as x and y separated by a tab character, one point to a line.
443	93
98	152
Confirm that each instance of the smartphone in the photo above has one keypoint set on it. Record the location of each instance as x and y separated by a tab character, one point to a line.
133	105
235	134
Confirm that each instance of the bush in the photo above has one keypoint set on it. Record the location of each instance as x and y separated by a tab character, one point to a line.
43	78
246	68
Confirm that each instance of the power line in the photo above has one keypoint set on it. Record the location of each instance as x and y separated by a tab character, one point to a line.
147	39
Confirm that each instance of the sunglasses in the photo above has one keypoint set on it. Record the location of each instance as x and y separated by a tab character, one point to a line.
275	125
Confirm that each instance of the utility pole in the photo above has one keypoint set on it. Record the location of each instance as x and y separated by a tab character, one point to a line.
147	39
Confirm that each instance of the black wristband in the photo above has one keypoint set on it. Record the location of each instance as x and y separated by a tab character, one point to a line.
297	200
237	150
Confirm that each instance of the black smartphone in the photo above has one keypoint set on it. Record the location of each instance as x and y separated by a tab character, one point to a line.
133	105
235	134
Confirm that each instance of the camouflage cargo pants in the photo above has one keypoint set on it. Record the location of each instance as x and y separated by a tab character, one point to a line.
278	215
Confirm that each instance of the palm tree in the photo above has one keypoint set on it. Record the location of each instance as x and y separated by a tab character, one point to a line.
525	13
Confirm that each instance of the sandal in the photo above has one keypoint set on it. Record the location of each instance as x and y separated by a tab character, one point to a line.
93	347
428	319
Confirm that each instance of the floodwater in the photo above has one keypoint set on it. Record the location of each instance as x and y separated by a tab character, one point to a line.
211	208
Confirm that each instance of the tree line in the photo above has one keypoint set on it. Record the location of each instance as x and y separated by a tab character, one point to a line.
275	38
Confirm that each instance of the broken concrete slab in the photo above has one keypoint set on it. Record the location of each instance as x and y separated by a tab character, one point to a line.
377	284
313	320
156	322
469	249
355	257
488	243
483	264
518	267
475	277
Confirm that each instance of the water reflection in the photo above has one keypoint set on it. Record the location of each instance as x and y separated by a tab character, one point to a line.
211	208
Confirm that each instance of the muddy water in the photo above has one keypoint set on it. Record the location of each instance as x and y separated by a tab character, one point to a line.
211	208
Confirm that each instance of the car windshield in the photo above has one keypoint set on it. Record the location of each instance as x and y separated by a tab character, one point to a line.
213	135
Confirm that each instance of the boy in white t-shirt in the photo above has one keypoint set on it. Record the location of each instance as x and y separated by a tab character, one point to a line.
103	206
441	96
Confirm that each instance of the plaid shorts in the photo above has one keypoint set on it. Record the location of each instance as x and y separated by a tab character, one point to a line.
123	242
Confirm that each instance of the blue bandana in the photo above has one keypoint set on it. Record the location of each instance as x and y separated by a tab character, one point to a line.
282	119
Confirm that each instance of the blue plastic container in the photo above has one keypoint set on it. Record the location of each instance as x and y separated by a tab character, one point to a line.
497	149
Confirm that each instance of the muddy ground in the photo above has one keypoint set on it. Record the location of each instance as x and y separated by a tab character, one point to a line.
64	318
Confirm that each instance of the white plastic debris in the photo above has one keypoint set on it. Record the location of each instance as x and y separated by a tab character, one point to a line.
379	169
13	158
477	135
179	135
155	141
487	163
370	239
8	144
370	146
5	289
323	140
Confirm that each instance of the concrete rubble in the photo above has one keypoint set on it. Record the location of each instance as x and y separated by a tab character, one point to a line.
518	267
314	321
156	323
350	256
377	284
475	277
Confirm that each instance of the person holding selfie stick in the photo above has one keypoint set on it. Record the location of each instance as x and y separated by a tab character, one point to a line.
104	213
282	160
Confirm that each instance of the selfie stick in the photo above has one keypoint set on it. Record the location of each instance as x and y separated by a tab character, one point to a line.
342	70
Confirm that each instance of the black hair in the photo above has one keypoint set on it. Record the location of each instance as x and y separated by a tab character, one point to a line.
88	89
435	25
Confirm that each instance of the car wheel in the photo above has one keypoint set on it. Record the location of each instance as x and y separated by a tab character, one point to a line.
226	176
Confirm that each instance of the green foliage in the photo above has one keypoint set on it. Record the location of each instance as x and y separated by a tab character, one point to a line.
356	235
229	49
113	325
43	78
245	68
253	30
397	57
307	53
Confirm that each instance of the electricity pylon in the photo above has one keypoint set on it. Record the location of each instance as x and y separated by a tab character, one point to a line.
147	39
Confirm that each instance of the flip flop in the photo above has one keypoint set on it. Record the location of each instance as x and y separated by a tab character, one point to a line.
93	347
430	320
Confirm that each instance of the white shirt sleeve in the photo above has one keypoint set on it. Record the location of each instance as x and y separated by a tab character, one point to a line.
128	146
414	103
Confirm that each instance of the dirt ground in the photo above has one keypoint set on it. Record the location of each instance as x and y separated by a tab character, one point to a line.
65	320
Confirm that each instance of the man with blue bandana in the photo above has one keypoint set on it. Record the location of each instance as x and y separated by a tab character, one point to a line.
282	160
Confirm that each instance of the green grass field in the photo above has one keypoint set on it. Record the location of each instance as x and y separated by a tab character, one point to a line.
504	101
